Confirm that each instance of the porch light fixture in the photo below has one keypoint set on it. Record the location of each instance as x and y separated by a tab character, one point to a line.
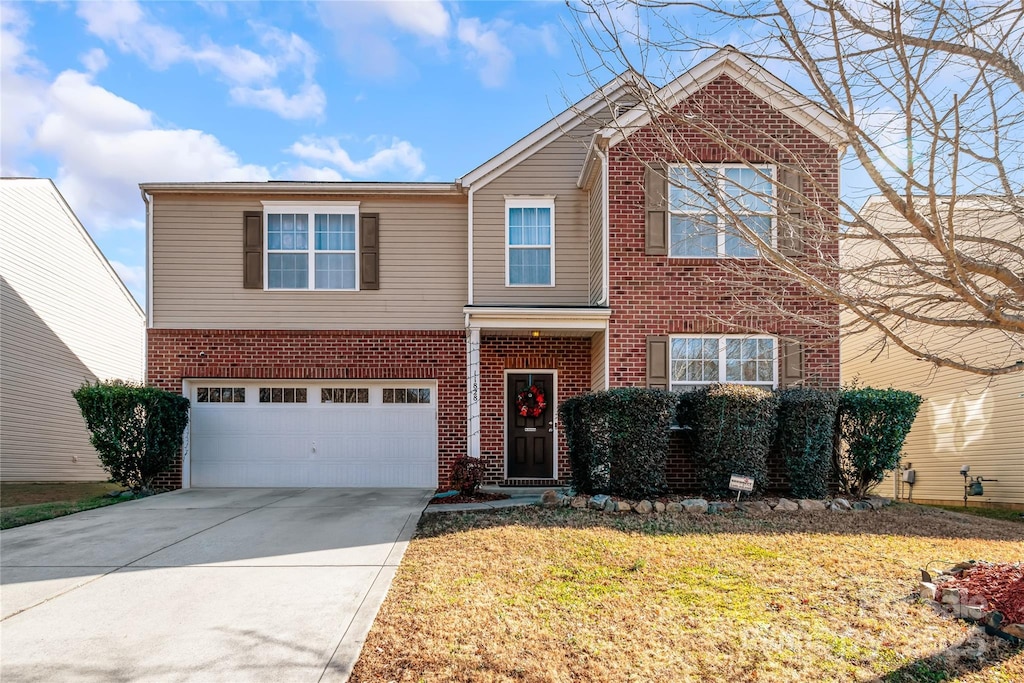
535	334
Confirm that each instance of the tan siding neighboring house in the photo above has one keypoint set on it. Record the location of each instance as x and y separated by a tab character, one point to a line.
66	319
201	287
965	420
552	170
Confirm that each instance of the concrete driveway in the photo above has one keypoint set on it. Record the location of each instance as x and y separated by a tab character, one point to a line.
204	584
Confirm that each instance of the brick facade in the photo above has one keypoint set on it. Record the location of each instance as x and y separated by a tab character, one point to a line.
657	295
344	354
569	356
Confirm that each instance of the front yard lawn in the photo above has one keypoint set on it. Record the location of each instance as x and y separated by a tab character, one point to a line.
28	502
565	595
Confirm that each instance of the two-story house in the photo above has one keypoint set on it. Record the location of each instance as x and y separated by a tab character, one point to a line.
367	334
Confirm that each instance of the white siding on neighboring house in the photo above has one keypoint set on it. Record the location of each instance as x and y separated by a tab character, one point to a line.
197	268
65	319
552	170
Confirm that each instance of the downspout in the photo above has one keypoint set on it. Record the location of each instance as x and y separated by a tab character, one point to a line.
149	286
470	222
605	228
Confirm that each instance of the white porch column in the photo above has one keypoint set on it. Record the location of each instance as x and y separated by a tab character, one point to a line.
473	392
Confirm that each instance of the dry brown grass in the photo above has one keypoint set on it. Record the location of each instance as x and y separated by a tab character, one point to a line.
563	595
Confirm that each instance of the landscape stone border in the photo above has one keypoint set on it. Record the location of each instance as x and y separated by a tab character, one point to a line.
603	503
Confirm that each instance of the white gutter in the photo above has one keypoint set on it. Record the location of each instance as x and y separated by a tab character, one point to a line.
470	281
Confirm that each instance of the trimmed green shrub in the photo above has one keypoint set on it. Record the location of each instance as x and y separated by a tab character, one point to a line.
466	476
805	438
618	441
873	424
732	429
136	430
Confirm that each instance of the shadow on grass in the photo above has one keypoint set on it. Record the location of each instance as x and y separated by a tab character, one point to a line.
896	520
955	661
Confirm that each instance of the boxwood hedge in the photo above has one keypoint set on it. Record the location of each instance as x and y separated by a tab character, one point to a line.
805	438
618	441
732	428
137	431
874	424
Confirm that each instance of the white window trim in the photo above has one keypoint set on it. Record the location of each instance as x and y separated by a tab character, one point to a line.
719	210
311	210
721	358
529	202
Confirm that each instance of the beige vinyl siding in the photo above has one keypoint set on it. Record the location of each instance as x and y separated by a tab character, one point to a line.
552	170
597	238
66	320
197	268
598	370
965	420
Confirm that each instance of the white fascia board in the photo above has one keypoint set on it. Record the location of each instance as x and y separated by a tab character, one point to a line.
306	188
748	73
538	318
568	119
597	144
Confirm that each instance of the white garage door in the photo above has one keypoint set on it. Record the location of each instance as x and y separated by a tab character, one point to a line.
278	433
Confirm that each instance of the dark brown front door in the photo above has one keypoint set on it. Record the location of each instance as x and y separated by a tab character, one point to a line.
531	426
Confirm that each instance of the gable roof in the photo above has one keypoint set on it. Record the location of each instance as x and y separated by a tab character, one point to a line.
25	188
760	81
540	137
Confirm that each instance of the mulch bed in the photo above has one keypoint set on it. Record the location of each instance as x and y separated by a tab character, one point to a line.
478	497
1001	584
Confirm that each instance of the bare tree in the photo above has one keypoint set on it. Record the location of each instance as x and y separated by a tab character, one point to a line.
929	96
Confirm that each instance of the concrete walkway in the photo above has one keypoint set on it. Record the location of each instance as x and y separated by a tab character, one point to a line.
205	584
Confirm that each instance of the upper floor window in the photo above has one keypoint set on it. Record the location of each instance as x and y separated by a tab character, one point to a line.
311	248
696	361
530	242
704	203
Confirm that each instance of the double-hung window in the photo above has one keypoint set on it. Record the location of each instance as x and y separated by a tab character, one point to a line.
530	241
311	247
706	203
732	359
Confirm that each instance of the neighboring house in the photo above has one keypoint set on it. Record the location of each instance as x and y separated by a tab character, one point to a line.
366	334
966	419
65	319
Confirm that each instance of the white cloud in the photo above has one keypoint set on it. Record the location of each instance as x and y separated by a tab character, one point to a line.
133	277
398	157
95	60
251	76
304	172
487	50
105	145
308	102
365	32
21	89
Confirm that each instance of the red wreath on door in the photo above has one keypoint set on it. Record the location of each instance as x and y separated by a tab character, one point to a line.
531	402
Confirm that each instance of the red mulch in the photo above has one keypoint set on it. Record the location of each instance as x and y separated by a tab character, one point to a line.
1001	584
478	497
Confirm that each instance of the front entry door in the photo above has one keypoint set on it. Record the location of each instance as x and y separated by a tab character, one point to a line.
531	425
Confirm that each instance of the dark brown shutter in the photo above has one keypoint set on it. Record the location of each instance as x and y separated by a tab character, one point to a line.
252	250
791	212
656	205
791	372
657	362
369	251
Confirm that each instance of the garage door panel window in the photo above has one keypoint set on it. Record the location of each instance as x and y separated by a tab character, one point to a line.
407	396
697	361
282	395
220	395
345	395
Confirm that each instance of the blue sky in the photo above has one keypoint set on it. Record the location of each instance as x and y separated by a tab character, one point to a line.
103	96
